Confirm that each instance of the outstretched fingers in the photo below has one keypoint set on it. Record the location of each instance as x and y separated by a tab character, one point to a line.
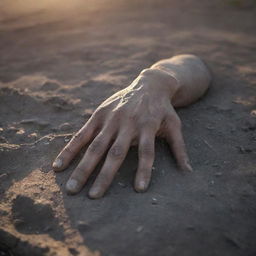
174	137
93	154
146	159
114	159
79	140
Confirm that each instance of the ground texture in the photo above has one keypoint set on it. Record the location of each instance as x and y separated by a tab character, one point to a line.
58	61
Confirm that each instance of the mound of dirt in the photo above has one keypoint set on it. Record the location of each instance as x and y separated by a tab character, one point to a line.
58	62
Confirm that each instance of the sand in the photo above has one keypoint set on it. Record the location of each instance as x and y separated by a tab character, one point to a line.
59	61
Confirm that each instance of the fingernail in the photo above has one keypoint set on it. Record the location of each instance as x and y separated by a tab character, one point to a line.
94	193
141	186
57	163
189	167
71	185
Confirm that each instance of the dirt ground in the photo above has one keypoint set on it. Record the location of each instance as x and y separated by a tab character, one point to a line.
59	61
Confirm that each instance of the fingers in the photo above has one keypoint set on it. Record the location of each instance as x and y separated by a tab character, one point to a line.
90	160
146	160
80	139
175	139
115	157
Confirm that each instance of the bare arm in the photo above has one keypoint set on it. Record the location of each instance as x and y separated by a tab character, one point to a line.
136	115
192	75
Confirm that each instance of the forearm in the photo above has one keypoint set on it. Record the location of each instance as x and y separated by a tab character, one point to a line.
185	78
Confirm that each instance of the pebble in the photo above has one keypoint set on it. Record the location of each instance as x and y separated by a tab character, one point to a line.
244	150
121	184
139	229
20	131
154	200
82	225
18	222
253	112
34	121
32	135
4	175
65	127
50	86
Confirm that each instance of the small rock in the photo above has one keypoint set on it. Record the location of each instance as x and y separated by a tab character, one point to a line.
88	112
50	86
154	201
210	127
20	131
244	150
34	121
121	184
253	112
82	225
18	222
65	127
3	176
139	229
12	129
218	174
32	135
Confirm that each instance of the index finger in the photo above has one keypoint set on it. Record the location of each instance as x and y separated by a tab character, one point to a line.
80	139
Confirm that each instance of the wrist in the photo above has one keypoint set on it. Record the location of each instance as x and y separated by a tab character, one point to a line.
157	80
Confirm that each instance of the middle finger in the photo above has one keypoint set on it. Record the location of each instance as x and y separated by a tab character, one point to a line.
90	160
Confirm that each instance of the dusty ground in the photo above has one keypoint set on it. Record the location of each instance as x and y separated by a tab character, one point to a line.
58	62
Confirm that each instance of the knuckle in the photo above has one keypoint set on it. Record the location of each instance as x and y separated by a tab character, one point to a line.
95	147
149	122
116	152
146	150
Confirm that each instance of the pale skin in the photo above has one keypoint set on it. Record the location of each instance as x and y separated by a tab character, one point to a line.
136	115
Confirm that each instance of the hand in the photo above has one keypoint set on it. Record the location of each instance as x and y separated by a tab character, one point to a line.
135	115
